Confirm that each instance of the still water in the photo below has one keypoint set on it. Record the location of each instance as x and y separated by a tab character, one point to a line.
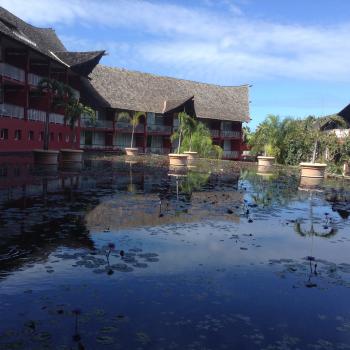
129	256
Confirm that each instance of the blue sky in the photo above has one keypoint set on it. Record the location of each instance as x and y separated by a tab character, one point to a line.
295	53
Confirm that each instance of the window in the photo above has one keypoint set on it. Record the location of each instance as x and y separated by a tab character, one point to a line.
52	136
18	134
17	172
41	136
3	172
60	137
75	138
67	138
31	135
4	134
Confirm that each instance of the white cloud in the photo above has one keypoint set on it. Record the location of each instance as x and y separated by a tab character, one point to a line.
193	39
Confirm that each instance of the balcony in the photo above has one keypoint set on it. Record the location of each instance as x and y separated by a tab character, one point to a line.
34	79
214	133
98	124
157	128
12	111
56	118
12	72
157	150
231	154
36	115
231	134
122	126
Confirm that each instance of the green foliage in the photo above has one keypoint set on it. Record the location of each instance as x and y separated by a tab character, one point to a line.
292	141
133	119
196	137
75	109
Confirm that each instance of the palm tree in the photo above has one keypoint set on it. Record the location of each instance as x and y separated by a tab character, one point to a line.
57	94
319	125
134	120
185	127
74	110
189	127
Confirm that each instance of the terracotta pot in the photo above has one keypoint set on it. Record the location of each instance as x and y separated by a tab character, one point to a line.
265	171
313	170
177	159
132	151
45	157
266	161
191	156
309	183
71	156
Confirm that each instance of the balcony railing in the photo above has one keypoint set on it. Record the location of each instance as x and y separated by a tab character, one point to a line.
13	111
98	147
102	124
34	79
36	115
12	72
159	128
56	118
231	154
214	133
127	127
231	133
157	150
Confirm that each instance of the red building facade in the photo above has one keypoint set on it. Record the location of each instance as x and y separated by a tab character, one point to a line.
28	54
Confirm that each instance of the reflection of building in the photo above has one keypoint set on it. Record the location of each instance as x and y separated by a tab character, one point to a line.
29	54
147	210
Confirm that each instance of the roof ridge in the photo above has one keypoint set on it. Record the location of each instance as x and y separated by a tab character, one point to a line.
174	78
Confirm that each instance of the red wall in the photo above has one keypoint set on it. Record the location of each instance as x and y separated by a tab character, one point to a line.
25	144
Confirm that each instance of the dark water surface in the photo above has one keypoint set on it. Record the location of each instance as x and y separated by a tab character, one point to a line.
124	256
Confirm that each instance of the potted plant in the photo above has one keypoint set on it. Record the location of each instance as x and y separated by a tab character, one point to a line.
313	169
266	160
54	92
73	112
179	159
134	120
189	128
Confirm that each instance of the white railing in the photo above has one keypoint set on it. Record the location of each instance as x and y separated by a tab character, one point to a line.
231	154
56	118
158	150
36	115
12	72
231	133
214	133
8	110
34	79
87	123
158	128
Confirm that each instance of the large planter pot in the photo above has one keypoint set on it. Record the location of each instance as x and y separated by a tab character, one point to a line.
265	171
177	159
132	151
310	183
316	170
266	161
191	156
45	157
71	156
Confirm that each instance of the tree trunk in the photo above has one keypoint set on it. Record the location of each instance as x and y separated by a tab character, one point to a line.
314	154
178	146
132	136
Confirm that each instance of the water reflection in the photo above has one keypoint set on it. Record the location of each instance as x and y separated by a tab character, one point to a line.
129	255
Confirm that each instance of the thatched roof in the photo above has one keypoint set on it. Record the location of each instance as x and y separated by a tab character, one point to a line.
132	90
45	41
345	114
81	62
